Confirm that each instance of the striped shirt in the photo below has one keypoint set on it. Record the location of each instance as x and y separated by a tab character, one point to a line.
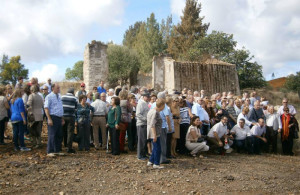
69	102
184	114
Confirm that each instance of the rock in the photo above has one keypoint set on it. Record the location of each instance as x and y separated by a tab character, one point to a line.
77	179
139	171
61	193
229	177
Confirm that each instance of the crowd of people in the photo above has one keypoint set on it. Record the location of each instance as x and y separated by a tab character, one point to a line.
158	125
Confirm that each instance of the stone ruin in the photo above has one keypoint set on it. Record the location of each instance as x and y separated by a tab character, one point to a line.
95	66
212	75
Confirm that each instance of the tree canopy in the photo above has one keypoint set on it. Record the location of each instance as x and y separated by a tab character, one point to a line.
293	83
123	65
76	72
10	71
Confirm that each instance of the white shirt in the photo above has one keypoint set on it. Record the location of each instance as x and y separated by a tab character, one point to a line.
245	117
100	107
292	110
258	130
241	133
237	109
219	128
273	120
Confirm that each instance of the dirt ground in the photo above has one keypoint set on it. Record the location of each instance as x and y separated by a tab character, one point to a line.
96	172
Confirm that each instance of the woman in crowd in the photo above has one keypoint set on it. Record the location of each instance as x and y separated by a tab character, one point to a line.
185	113
113	121
171	129
83	122
4	106
132	125
18	120
9	95
153	98
193	143
289	125
35	105
211	113
25	96
89	99
126	110
176	118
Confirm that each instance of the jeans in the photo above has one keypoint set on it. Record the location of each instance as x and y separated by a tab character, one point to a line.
18	131
2	129
54	135
204	129
239	144
256	144
156	152
142	141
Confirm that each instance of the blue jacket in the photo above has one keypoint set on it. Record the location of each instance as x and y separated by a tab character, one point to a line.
16	108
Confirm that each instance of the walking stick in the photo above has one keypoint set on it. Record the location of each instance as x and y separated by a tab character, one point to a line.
107	140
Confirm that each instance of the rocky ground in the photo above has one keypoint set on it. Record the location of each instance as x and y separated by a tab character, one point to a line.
96	172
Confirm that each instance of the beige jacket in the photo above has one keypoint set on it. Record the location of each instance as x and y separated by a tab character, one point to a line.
36	104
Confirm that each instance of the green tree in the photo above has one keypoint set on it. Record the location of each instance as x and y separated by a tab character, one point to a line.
293	83
250	73
12	70
217	44
188	31
4	61
146	39
166	27
123	65
76	72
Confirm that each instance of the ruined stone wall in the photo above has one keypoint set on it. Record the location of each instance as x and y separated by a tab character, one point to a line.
212	75
95	66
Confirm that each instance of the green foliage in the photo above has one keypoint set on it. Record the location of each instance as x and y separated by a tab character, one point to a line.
188	31
10	71
146	39
217	44
123	65
76	72
293	83
165	31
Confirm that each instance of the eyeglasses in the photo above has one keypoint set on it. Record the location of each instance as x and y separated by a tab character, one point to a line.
102	96
286	110
45	89
284	102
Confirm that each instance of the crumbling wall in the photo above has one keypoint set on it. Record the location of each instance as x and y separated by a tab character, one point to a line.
95	66
212	75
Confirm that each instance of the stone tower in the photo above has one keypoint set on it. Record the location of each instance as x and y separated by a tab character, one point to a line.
95	66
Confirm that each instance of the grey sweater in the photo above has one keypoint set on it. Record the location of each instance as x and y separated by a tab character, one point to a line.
142	110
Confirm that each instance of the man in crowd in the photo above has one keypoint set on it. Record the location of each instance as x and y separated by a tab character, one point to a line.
54	111
256	113
99	119
110	94
82	91
258	139
240	132
285	102
48	84
69	103
217	136
202	93
142	110
101	88
45	91
19	85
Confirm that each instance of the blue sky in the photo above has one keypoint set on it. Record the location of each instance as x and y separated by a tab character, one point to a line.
50	36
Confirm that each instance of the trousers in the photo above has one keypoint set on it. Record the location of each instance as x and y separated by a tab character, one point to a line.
99	122
142	141
68	131
163	144
156	152
55	135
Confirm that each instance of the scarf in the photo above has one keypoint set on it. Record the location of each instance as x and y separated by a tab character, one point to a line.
285	126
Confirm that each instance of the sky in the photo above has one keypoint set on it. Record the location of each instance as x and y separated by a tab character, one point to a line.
51	35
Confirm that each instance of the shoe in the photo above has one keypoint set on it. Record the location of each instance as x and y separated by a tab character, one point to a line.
51	155
72	151
166	162
7	137
16	149
87	149
26	138
229	150
193	155
171	157
149	163
24	149
80	149
92	145
61	154
158	167
97	148
124	152
37	146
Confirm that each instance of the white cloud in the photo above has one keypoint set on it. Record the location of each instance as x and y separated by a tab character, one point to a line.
269	29
41	29
48	71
